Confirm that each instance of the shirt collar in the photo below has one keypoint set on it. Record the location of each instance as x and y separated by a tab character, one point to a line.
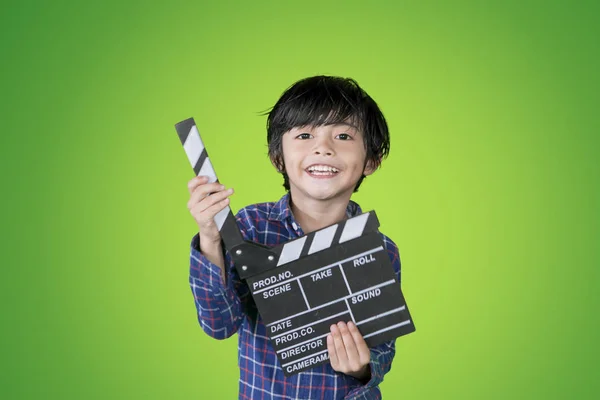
281	210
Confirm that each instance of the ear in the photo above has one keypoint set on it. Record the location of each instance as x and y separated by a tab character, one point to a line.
370	168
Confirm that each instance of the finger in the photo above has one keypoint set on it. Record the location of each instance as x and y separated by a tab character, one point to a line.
203	190
340	350
194	182
351	350
363	350
210	212
213	199
206	222
333	358
204	213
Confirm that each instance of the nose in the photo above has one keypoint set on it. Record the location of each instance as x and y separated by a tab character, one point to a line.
323	146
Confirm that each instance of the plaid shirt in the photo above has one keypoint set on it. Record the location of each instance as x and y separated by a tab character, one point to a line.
224	309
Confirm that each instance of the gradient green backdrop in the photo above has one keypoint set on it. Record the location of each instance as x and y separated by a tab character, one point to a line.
491	189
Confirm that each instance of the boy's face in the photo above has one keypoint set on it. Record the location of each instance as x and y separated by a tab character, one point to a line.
324	162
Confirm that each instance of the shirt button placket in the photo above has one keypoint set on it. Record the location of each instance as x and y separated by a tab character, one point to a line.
297	229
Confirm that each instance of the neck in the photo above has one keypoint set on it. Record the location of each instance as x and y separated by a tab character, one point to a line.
313	214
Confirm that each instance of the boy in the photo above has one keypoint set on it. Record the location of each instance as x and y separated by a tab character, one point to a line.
325	134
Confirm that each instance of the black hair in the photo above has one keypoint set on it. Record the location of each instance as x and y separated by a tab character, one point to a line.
327	100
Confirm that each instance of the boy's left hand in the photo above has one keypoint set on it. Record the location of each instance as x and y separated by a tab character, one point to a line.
348	351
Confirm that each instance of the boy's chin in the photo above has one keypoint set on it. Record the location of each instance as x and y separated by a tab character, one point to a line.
324	194
320	189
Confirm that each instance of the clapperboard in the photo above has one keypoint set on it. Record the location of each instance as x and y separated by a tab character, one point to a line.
339	273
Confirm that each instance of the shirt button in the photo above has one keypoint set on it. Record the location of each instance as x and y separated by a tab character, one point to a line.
295	226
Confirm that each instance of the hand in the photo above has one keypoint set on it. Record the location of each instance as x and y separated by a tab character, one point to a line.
348	351
206	200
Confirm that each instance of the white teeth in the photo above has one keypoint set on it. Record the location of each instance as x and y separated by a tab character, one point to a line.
322	168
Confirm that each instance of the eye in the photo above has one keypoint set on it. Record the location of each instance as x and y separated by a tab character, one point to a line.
304	136
344	136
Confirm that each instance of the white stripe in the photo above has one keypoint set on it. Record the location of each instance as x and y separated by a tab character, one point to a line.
304	358
345	280
391	281
395	310
389	328
354	227
310	324
322	239
193	146
306	341
376	249
303	295
350	310
208	170
221	217
291	251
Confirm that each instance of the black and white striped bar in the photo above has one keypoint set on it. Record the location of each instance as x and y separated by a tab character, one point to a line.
325	238
198	158
339	273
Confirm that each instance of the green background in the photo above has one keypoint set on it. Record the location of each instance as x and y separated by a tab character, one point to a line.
491	189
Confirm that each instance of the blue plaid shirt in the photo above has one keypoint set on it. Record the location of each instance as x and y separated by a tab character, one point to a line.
227	308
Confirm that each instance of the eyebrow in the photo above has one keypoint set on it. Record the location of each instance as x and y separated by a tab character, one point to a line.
331	124
345	124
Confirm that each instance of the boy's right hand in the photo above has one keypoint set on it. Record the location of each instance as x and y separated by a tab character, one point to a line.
206	200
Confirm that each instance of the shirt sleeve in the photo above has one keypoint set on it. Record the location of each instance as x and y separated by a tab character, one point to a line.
383	354
219	304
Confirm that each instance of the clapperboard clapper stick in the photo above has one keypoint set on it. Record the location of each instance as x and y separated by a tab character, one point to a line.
339	273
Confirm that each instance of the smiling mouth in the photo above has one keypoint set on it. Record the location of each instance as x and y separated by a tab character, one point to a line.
322	171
